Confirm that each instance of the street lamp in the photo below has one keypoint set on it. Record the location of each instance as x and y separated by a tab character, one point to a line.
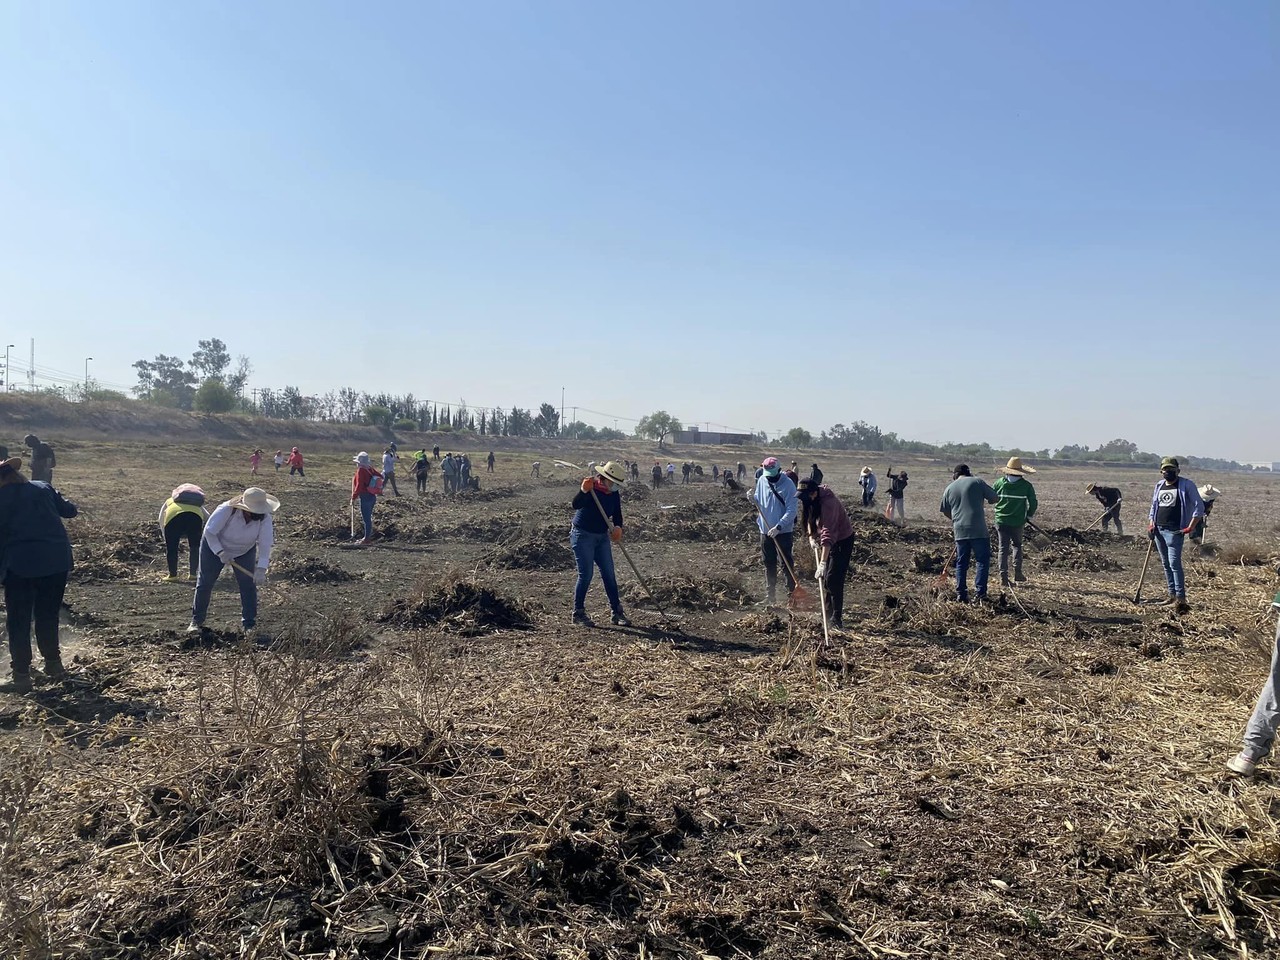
86	373
7	348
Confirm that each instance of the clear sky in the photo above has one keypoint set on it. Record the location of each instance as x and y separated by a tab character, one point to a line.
1027	223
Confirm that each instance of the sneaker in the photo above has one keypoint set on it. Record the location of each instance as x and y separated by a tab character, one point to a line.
1182	606
581	619
1242	765
194	627
1168	601
620	619
172	578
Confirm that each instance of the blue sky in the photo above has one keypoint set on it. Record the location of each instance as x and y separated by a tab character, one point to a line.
1027	223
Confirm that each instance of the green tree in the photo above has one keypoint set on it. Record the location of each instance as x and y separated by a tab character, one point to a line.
213	396
377	415
798	437
547	422
658	426
211	359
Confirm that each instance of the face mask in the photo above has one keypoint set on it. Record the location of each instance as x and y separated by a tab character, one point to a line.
1011	478
1170	476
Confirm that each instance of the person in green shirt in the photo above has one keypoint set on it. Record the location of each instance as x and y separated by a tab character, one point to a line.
1017	505
962	504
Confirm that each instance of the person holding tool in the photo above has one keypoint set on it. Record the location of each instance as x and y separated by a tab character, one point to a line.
1176	510
776	506
240	535
826	522
1260	733
597	525
1110	498
1017	505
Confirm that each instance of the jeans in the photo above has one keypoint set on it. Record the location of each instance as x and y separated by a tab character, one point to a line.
210	569
367	502
38	599
833	584
979	548
769	549
1261	731
593	550
186	526
1169	543
1010	541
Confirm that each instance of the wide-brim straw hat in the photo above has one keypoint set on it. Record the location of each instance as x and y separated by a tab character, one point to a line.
866	472
1015	468
256	500
1209	492
13	463
611	471
1089	488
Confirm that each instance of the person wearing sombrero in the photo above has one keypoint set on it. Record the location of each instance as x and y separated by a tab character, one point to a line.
867	481
1017	505
1111	498
35	558
240	535
592	535
1209	494
1176	510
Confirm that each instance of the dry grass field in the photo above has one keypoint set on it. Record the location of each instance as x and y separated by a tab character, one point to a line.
419	755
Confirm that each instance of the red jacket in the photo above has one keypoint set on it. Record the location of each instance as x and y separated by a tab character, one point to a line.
360	482
295	460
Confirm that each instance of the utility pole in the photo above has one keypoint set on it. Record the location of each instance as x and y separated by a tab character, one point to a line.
575	419
6	368
254	391
86	373
31	368
575	409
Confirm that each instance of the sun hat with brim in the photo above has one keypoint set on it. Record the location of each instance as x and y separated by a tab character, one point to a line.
611	471
1015	468
13	463
361	458
866	472
256	500
1209	492
1090	488
1170	462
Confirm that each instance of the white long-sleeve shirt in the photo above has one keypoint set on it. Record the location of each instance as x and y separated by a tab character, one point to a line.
230	530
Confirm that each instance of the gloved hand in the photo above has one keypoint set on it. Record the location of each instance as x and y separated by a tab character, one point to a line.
260	576
1151	531
587	485
1187	529
821	571
813	542
774	531
616	534
226	557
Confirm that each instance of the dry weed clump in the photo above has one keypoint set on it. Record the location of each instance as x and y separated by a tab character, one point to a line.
538	552
689	592
294	569
1248	554
469	607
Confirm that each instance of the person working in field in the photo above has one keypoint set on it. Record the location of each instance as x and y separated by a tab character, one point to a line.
1110	498
295	463
182	517
389	457
962	504
776	503
867	481
1209	494
897	497
490	462
42	459
366	485
1176	510
825	520
278	460
1017	505
536	469
35	558
422	472
240	534
1260	733
597	525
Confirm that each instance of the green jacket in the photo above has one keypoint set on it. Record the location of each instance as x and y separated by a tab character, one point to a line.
1017	503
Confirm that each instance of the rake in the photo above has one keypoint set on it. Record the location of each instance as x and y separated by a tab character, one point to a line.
800	599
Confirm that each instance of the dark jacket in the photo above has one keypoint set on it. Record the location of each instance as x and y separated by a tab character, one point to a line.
1107	496
33	541
897	487
586	517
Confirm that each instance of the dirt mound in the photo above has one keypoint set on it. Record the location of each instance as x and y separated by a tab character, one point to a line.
690	593
499	528
760	623
536	553
308	570
1072	556
929	561
470	609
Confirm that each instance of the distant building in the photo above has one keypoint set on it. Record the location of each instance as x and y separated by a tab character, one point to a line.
707	438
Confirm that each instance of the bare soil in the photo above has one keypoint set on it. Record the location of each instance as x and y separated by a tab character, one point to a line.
419	755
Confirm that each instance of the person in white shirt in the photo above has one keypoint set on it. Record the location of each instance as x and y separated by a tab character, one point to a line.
240	535
389	457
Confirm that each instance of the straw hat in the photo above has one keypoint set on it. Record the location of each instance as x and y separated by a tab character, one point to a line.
12	463
866	472
1090	488
256	500
1209	492
1015	468
611	471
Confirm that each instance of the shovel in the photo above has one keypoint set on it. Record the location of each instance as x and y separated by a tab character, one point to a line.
1137	596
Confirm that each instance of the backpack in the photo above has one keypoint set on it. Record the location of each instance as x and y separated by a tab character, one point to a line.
375	485
190	498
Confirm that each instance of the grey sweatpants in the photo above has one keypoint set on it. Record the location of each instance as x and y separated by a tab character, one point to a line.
1010	539
1261	730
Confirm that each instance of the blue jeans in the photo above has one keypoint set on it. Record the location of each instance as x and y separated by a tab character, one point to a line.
367	501
210	568
593	550
1169	543
980	549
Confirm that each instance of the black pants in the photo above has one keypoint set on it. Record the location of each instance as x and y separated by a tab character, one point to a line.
422	482
184	525
297	470
769	550
837	571
28	598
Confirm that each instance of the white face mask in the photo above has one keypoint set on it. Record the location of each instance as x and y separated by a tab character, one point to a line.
1011	478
